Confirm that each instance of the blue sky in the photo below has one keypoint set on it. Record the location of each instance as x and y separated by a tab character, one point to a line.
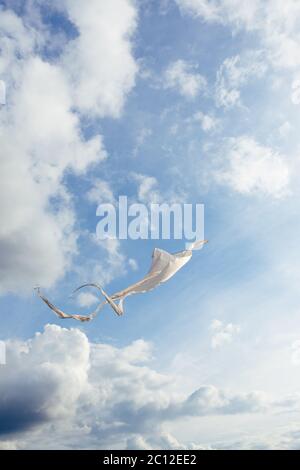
179	100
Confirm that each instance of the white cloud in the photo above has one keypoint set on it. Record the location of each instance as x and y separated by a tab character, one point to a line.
181	76
281	31
237	12
164	440
276	22
208	123
142	136
209	400
150	192
223	334
106	263
133	264
52	369
86	299
209	10
234	73
148	188
137	442
296	353
8	445
281	438
41	136
100	192
99	61
2	93
60	391
285	129
35	242
295	95
248	167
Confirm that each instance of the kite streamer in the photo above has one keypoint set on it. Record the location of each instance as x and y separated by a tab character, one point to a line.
164	266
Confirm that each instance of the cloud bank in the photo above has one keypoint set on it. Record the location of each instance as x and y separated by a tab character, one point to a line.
58	390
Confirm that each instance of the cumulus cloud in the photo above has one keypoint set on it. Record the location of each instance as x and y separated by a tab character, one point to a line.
46	367
41	132
33	244
181	76
223	334
99	62
209	400
248	168
58	390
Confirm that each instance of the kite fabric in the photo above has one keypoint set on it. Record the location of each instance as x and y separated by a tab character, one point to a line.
2	93
164	266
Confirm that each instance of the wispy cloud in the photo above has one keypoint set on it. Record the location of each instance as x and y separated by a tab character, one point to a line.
223	333
183	77
234	73
275	24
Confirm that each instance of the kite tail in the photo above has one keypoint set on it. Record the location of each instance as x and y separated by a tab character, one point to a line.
63	315
118	308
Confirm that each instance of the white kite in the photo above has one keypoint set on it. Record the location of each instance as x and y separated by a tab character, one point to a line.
2	93
164	266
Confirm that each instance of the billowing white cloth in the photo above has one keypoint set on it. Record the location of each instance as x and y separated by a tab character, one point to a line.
164	266
2	92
